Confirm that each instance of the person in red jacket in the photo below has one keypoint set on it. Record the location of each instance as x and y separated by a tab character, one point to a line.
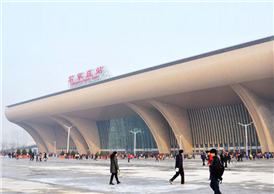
209	159
128	157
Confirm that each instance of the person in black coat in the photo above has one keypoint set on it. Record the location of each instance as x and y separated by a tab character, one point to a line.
114	168
214	183
203	157
241	156
222	158
179	168
226	159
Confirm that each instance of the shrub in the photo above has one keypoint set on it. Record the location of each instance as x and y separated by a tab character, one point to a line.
62	153
24	151
104	153
18	151
73	153
30	152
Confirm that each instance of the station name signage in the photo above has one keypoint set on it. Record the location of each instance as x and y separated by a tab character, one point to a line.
89	77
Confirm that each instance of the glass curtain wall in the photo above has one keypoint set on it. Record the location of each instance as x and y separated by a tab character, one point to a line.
115	134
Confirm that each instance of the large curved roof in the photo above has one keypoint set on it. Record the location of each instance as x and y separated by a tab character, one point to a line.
200	81
216	52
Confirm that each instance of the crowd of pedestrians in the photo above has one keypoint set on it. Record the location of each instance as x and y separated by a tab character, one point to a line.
226	157
216	162
128	156
39	156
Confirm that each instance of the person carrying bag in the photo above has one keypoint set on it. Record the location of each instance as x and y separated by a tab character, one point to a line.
114	168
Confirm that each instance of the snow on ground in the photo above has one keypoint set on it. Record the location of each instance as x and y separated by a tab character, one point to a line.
140	176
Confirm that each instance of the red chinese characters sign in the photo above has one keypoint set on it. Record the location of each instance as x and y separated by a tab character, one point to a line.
89	77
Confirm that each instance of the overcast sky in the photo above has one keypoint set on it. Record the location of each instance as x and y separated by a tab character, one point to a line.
44	43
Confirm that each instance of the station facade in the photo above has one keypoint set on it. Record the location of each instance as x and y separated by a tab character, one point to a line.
195	104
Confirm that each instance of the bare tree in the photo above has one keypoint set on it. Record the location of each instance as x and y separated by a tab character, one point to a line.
23	146
12	146
4	145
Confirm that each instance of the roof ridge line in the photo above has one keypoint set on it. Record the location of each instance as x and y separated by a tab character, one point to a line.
195	57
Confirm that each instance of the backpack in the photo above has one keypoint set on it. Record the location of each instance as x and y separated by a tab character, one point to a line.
219	171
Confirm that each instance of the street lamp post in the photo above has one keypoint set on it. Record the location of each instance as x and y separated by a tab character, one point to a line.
135	132
54	147
180	139
246	140
68	135
16	143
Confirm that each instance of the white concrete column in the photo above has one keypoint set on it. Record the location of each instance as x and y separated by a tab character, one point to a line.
77	137
62	138
179	122
157	125
262	113
36	137
46	132
89	131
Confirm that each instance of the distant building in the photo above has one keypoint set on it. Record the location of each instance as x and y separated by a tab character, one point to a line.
14	137
22	138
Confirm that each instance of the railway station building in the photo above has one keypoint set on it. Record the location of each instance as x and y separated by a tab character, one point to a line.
194	103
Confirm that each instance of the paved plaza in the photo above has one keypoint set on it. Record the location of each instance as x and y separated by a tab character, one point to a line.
140	176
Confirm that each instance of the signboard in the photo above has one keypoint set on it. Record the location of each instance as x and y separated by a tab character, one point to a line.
88	77
128	150
148	149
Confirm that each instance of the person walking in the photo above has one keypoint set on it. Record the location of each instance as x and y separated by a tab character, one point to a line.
45	157
114	168
157	158
40	157
179	168
128	157
222	158
203	157
31	156
226	158
241	156
250	156
209	159
96	157
37	157
215	166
